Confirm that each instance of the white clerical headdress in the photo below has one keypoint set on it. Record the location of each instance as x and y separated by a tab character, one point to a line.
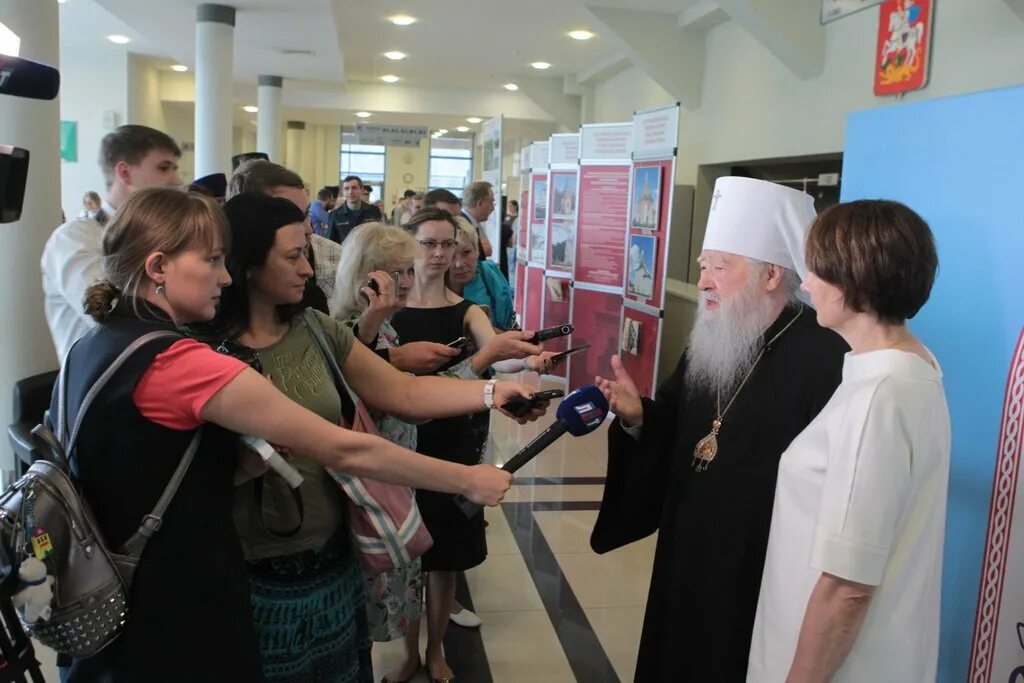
760	220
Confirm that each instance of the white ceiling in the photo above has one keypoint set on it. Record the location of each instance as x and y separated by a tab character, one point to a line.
469	43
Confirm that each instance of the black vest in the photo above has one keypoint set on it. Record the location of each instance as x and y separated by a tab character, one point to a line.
189	612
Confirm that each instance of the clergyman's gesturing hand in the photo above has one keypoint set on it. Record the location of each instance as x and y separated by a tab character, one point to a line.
622	394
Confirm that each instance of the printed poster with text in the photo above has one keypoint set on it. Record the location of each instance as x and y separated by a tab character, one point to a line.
557	300
596	318
603	215
534	298
538	218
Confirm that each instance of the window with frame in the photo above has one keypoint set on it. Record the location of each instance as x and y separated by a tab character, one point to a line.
451	164
369	162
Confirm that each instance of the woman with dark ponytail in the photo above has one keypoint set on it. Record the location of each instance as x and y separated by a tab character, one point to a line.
189	614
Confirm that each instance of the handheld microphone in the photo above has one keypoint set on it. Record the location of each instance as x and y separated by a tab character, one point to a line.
579	413
25	78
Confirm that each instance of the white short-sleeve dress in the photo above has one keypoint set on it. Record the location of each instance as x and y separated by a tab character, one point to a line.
861	495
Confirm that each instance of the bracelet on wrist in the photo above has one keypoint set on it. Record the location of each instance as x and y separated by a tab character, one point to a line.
489	393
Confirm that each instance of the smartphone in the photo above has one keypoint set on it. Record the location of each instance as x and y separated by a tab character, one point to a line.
458	343
559	357
521	406
372	284
551	333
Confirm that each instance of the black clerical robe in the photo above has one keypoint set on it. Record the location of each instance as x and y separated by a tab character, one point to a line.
713	525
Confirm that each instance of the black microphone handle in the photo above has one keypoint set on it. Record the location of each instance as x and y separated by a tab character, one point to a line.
525	455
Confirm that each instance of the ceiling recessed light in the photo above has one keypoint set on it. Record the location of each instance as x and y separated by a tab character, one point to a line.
511	86
119	39
581	35
540	66
390	78
474	119
442	131
251	109
463	129
402	20
180	68
363	114
395	55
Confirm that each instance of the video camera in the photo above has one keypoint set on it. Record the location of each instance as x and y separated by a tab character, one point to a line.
20	78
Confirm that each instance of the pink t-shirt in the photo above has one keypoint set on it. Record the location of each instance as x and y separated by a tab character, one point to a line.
177	384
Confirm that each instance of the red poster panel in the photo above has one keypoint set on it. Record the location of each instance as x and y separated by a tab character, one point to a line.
603	216
562	221
904	40
534	298
524	223
520	290
638	347
557	300
647	250
596	318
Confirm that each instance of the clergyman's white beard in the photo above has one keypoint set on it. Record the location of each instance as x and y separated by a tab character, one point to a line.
725	342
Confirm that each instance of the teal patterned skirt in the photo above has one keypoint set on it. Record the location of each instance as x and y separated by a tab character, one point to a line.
310	614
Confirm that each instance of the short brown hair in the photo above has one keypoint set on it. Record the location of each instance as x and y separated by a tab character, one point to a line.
880	254
261	176
476	192
427	214
131	143
150	220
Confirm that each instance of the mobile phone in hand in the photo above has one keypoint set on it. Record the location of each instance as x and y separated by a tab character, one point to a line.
521	406
458	343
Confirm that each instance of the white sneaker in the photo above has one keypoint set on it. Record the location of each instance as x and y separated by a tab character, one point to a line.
465	618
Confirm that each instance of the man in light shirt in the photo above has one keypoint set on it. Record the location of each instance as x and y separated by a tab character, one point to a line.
477	207
131	157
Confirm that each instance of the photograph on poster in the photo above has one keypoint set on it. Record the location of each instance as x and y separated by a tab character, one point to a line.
558	290
538	243
641	266
564	204
646	197
492	149
563	243
631	336
540	200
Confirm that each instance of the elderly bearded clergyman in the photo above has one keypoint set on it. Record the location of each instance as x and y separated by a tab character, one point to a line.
698	462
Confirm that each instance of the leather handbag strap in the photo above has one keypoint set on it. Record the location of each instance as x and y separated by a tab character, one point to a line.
150	523
348	399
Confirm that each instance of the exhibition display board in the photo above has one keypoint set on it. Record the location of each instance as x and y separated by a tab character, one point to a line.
563	172
522	238
652	179
598	268
491	133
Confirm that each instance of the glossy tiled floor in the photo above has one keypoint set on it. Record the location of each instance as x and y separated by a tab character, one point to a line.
553	611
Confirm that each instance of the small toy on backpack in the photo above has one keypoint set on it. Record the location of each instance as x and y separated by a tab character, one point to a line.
35	591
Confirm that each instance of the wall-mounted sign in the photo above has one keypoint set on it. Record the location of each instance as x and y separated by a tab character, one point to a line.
390	136
837	9
904	40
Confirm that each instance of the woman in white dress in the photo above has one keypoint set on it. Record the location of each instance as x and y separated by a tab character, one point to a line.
852	580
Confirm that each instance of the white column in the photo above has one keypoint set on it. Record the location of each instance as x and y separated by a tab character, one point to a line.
215	39
268	119
293	145
25	347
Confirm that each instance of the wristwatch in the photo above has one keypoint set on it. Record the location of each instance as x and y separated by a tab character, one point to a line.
489	393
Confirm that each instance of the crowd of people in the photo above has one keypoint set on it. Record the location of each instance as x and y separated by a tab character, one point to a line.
794	463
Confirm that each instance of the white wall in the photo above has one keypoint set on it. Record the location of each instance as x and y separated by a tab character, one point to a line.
91	83
753	107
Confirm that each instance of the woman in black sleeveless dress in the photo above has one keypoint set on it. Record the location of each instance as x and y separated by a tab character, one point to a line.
434	313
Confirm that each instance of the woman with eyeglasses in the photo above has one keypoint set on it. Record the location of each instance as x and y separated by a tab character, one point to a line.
307	588
435	313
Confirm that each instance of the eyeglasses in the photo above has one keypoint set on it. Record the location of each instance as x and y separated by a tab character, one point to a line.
431	245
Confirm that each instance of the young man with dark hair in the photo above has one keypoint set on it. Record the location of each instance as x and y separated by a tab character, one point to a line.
402	207
354	211
131	158
266	177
